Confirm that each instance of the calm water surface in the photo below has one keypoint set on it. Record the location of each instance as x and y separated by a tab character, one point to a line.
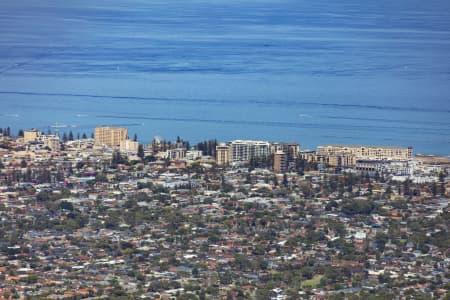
314	72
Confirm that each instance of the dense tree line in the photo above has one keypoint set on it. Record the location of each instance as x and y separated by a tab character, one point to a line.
5	131
207	147
261	162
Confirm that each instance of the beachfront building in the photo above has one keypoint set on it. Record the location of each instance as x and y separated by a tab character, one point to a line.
244	151
31	135
368	152
129	146
280	162
107	136
222	154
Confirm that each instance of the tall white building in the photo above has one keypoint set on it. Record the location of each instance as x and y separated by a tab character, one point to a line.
244	151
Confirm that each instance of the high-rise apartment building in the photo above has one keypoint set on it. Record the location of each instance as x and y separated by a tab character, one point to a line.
244	151
110	136
223	154
280	162
291	149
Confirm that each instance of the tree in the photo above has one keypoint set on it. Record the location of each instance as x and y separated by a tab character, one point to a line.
135	138
117	158
66	205
84	136
42	196
64	137
442	176
248	179
20	134
330	205
357	206
23	163
226	277
70	135
208	147
381	240
434	188
32	278
388	192
100	177
141	152
369	187
407	187
307	189
285	181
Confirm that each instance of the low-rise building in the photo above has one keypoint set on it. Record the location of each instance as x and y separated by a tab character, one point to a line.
129	146
368	152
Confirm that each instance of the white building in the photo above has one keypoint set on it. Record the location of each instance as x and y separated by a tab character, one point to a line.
193	154
176	154
244	151
129	146
51	141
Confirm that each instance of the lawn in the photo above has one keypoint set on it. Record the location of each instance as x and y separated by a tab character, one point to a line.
314	282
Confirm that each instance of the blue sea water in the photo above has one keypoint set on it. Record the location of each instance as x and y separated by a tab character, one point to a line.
313	72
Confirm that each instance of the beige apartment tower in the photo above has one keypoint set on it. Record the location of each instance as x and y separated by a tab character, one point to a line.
222	154
280	162
106	136
347	155
31	135
368	152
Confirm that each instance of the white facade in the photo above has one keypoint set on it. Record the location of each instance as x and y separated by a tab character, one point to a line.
51	141
193	154
129	146
243	151
176	154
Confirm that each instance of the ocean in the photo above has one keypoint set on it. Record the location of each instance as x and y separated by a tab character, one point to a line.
312	72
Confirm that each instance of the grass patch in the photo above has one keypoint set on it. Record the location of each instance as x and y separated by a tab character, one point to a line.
314	282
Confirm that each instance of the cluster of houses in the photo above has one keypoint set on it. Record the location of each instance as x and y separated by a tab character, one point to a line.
84	221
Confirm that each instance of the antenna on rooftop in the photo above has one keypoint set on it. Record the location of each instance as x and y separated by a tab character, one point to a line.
57	126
